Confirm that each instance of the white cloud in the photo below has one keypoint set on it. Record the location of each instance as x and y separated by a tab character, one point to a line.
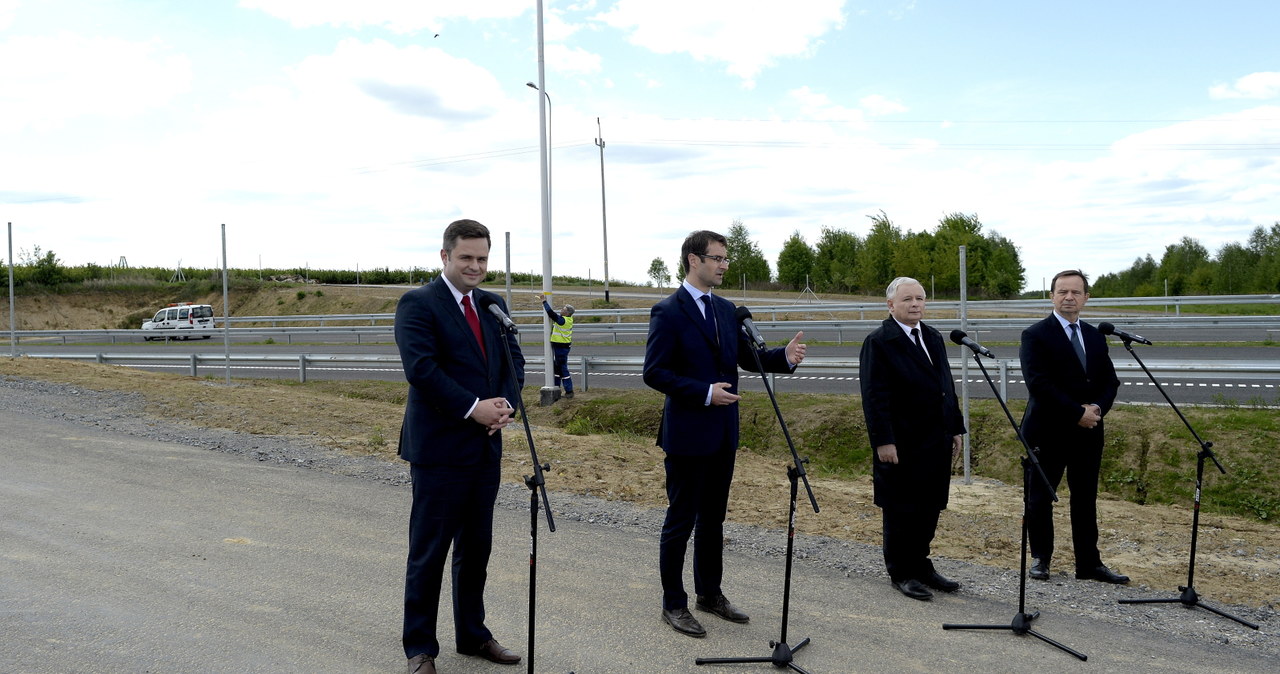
747	35
879	106
68	75
394	15
1261	86
571	60
8	8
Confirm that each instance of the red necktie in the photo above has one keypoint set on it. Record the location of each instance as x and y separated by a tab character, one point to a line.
473	319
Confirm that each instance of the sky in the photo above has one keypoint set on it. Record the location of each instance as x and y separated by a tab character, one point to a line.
341	135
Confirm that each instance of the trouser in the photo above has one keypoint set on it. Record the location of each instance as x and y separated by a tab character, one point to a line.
1081	463
560	356
698	500
907	536
452	505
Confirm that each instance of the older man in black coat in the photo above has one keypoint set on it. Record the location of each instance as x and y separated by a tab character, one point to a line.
915	427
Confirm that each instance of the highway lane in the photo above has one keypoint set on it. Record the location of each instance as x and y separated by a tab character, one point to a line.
1184	388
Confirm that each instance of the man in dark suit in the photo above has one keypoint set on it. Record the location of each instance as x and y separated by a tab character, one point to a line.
460	390
915	427
1071	384
693	353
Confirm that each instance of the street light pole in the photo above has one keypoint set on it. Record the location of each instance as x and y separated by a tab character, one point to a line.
550	145
549	391
604	221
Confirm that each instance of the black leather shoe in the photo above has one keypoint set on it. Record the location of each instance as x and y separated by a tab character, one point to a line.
1103	574
914	589
938	581
493	651
422	664
721	607
1039	569
682	621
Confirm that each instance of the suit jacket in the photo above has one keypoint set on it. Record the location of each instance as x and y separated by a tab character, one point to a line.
1058	387
682	358
909	402
447	373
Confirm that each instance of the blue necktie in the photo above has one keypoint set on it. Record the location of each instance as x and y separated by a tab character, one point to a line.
709	316
1075	343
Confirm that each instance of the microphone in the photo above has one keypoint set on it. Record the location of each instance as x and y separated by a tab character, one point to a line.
743	316
488	302
1109	329
959	337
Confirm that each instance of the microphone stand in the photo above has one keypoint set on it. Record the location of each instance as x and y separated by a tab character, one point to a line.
782	653
536	483
1189	598
1021	624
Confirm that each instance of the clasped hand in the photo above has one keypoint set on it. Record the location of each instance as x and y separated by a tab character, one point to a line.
494	414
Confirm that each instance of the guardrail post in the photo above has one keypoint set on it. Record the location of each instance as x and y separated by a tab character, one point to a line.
1004	379
302	368
586	370
100	359
195	358
357	339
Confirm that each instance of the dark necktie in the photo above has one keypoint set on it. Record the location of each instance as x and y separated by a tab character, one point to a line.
473	319
915	334
1076	344
709	316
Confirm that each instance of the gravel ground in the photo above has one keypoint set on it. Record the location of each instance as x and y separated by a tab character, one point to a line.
123	413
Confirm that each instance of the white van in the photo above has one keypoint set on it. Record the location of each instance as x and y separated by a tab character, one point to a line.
185	320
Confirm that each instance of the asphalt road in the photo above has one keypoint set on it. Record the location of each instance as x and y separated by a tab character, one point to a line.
127	555
1205	387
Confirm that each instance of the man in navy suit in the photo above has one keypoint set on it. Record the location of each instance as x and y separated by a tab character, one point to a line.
460	393
915	427
693	353
1071	384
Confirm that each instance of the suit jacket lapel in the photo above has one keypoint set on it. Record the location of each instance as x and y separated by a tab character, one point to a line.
455	316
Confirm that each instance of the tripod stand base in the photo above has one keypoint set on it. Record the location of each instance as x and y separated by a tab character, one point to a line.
1021	625
1190	599
781	657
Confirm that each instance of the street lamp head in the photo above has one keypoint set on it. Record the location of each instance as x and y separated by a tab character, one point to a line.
531	85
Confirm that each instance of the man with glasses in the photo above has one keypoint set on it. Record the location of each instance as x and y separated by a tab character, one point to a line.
693	353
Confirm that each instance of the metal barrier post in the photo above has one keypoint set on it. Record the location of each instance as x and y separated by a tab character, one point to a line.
302	368
195	358
586	368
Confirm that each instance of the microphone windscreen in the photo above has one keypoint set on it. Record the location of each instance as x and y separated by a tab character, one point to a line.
486	300
741	313
1106	328
958	336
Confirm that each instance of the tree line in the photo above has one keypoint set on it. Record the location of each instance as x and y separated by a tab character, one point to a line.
843	262
1186	268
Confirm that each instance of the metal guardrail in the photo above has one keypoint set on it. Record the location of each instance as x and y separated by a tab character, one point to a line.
876	307
636	331
589	364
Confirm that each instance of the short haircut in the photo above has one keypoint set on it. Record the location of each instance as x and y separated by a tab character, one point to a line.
898	283
1068	272
464	229
696	243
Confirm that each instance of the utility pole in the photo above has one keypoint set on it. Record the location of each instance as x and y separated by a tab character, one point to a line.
604	221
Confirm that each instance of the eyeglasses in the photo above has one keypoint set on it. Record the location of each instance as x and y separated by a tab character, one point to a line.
718	259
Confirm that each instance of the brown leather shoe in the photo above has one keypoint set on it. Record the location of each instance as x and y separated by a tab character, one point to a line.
682	621
493	651
721	607
422	664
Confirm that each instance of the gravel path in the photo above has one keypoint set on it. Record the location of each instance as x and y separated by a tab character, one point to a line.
124	413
